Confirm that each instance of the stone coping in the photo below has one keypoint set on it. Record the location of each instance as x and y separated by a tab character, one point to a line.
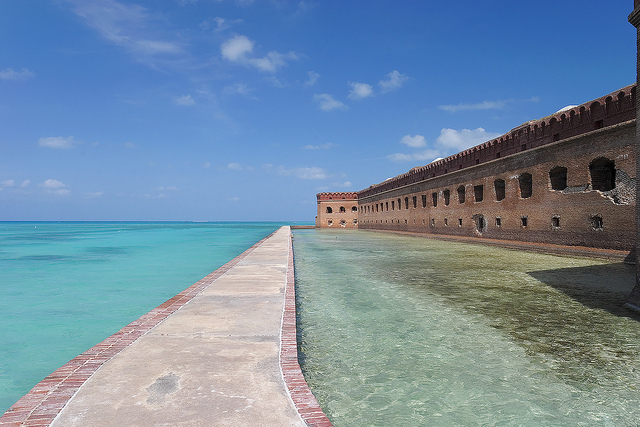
46	399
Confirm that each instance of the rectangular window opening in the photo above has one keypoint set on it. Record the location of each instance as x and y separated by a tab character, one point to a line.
478	193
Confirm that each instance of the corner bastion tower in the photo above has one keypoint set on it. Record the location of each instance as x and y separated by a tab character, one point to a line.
337	210
634	298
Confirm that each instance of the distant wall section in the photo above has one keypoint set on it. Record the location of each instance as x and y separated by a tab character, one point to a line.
337	210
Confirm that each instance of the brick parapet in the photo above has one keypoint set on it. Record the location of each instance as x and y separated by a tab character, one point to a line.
609	110
337	196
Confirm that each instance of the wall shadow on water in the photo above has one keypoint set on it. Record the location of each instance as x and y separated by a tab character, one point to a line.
604	287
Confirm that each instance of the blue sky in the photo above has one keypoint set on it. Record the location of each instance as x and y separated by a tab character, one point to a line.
244	110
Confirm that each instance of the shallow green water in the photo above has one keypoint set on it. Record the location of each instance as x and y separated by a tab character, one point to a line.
65	287
405	331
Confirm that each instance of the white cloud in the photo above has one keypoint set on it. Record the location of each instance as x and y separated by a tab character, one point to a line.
130	145
238	167
11	74
360	90
57	142
313	78
415	141
422	156
25	183
233	199
449	141
328	103
394	81
465	138
54	186
186	101
206	165
326	146
219	24
346	184
238	88
273	61
7	183
93	195
238	48
169	188
485	105
303	173
126	25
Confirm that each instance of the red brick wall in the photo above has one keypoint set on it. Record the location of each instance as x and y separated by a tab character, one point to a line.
565	217
337	210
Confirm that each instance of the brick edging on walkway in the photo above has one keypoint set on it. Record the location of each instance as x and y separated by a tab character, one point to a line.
43	403
303	399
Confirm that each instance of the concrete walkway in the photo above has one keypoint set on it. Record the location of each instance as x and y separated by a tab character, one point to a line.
220	353
212	362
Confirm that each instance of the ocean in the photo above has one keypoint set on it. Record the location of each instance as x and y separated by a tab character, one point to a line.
66	286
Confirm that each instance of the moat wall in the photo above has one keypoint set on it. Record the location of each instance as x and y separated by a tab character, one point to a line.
567	179
514	197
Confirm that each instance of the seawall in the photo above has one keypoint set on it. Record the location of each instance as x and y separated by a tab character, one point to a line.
221	352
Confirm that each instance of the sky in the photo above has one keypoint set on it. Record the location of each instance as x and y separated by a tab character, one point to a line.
222	110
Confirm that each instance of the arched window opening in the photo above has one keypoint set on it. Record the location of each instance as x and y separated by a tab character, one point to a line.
480	223
461	195
603	174
424	200
434	199
393	205
499	186
446	194
558	178
342	209
329	209
354	209
478	193
415	202
526	185
399	204
406	203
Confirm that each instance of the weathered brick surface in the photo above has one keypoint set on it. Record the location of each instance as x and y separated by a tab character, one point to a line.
579	214
337	210
634	298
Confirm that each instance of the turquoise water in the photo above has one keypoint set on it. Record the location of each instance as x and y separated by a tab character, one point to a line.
67	286
405	331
